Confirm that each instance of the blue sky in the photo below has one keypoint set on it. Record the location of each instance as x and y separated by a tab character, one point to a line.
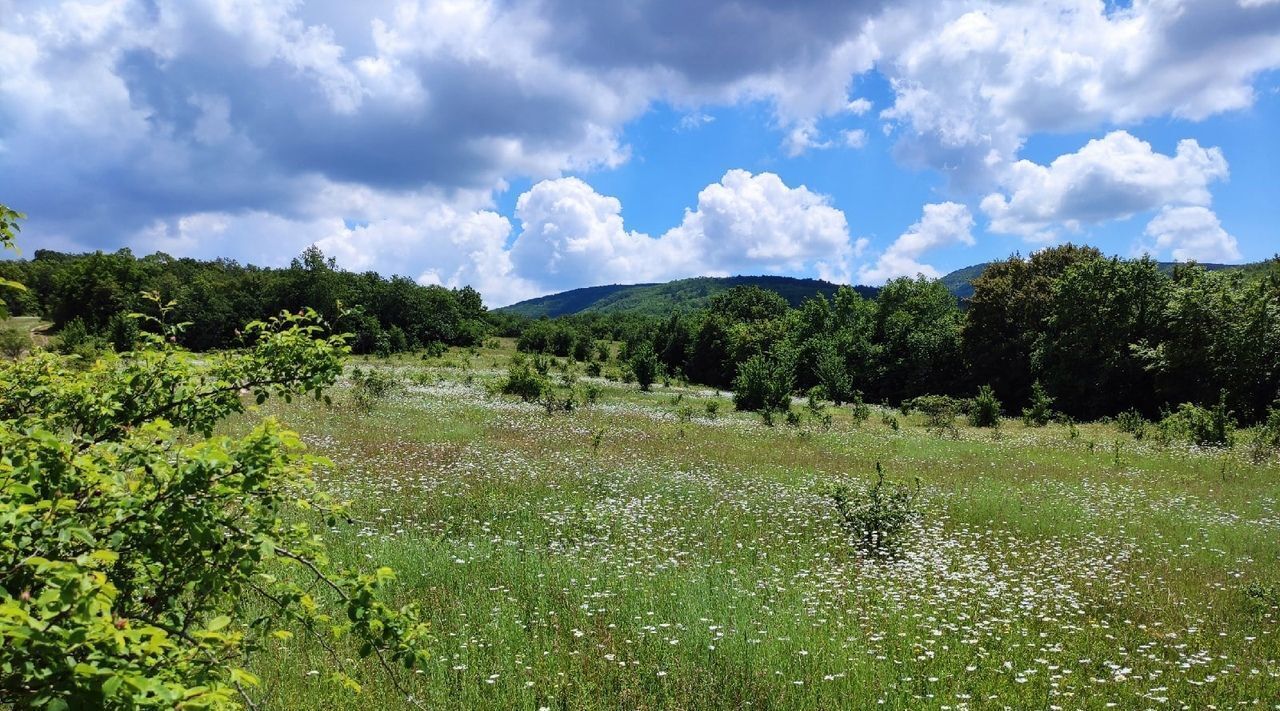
525	147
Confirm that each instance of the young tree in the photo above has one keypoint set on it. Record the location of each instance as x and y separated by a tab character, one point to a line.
644	365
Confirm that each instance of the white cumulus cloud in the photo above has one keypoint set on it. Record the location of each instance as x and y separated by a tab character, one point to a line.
1191	233
1110	178
973	78
941	225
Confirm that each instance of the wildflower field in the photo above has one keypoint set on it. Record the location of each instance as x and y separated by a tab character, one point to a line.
647	551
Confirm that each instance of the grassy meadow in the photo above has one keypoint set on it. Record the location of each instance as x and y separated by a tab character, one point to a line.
645	553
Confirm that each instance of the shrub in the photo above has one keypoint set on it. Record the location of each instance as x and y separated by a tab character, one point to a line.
859	410
174	556
123	332
1266	440
523	380
14	342
76	339
370	387
434	349
591	393
1204	427
890	420
712	409
764	383
940	412
1040	411
644	366
542	363
1132	422
593	369
814	400
876	518
985	410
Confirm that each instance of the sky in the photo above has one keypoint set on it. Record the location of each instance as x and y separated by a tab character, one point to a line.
526	147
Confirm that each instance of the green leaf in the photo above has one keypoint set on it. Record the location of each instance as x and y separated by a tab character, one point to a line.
218	623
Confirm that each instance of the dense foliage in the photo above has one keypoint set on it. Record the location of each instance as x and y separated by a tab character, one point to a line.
91	292
1065	332
143	558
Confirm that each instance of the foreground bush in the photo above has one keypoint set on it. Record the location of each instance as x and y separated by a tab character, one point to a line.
134	546
877	517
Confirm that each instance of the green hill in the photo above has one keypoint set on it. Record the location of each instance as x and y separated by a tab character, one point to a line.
659	299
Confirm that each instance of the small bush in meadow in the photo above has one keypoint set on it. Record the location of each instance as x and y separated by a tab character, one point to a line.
591	393
1266	438
985	409
1040	411
1132	422
712	409
859	410
644	366
1204	427
877	517
524	381
890	420
370	387
434	349
939	410
764	383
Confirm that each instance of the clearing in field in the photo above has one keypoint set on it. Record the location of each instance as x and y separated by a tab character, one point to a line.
653	550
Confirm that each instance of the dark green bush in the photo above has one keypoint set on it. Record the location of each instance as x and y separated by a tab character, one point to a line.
985	408
764	383
1204	427
524	381
1040	411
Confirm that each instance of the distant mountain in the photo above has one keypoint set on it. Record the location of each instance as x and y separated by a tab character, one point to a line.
659	299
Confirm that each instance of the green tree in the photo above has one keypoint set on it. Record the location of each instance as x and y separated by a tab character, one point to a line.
1102	316
917	325
644	365
141	552
1005	316
765	383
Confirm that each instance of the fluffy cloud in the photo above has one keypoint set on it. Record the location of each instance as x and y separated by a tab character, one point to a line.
1188	233
569	236
207	106
1110	178
942	225
572	236
972	79
756	223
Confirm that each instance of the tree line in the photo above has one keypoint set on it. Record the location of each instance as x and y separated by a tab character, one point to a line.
88	296
1100	336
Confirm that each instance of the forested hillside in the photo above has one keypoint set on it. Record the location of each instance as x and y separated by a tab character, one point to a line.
662	299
